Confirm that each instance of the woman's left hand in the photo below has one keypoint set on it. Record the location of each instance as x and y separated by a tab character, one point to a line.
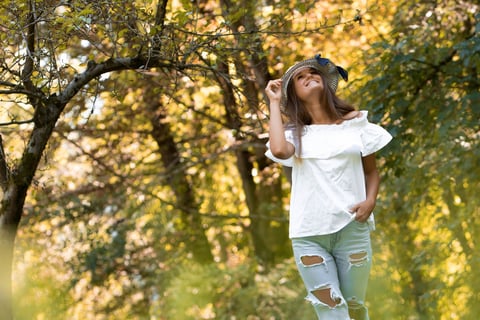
363	210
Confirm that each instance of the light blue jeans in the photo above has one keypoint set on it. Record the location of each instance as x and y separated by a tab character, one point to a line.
335	270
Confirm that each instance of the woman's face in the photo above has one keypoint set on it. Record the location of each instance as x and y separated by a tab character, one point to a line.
308	84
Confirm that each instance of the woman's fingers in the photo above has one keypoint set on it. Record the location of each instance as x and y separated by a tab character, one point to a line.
274	84
274	88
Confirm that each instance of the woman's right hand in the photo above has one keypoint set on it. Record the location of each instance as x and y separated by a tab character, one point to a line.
279	146
274	90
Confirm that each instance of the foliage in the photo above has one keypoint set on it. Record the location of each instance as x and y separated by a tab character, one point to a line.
209	292
426	94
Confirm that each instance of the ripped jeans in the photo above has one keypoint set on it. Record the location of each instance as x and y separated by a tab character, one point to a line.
335	270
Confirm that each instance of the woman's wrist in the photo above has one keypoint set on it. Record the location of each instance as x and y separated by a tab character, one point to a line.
372	202
275	107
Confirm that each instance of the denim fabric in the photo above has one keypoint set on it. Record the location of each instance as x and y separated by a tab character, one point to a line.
342	267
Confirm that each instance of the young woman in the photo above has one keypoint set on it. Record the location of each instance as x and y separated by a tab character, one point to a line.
331	150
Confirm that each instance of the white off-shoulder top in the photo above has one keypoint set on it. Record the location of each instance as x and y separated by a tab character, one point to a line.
328	176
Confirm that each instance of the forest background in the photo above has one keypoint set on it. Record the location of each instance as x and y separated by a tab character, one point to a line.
133	180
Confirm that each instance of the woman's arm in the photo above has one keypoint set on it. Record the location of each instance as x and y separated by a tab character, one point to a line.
279	146
364	209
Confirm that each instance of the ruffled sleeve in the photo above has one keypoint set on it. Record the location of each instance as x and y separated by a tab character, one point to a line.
284	162
373	136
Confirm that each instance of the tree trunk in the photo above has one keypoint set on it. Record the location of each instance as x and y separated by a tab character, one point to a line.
11	211
268	225
15	184
269	233
192	228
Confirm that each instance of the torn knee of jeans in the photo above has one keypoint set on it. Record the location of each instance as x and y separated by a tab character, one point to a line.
354	303
358	259
313	260
326	296
356	309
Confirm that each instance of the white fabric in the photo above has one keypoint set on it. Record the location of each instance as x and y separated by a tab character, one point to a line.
328	177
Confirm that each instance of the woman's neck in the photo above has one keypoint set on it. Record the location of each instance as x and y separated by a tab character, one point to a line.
320	115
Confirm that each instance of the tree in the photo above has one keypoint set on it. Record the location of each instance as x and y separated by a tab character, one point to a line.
426	93
49	90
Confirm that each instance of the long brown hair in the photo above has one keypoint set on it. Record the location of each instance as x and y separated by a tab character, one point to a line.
298	116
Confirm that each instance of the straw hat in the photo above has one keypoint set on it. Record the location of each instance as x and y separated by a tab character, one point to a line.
330	71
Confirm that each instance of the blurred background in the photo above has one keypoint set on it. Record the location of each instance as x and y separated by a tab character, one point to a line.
153	199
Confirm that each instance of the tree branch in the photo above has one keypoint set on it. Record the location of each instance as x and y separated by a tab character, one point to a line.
28	69
4	171
95	70
8	84
13	122
20	91
161	13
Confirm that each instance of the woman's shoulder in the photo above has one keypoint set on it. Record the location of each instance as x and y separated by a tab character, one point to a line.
353	114
355	117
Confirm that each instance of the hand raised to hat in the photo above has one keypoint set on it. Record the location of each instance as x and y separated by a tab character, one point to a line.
274	91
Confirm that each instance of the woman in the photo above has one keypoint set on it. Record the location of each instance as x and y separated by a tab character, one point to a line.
331	149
